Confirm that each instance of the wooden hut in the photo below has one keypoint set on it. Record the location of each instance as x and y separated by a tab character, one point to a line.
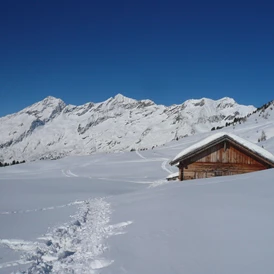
221	154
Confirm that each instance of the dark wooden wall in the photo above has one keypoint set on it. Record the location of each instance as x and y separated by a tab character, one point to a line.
219	160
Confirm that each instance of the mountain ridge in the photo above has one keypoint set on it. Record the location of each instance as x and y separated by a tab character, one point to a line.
50	128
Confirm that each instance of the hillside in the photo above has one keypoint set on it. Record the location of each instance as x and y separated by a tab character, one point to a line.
50	129
257	126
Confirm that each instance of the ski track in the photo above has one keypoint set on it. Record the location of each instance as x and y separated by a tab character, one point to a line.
76	247
40	209
150	183
164	163
72	174
68	173
140	155
64	173
164	166
139	161
115	180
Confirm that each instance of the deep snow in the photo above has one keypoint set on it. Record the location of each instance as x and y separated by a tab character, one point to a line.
116	213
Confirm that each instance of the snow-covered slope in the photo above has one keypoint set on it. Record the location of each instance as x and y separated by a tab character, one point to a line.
52	129
257	127
126	218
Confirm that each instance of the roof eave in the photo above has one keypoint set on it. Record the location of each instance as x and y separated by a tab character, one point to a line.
216	141
200	149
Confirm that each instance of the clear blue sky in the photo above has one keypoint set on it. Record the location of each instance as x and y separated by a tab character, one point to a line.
167	51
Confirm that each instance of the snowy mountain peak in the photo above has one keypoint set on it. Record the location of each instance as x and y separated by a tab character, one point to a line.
202	101
123	99
120	97
46	109
49	101
51	129
195	102
227	99
226	102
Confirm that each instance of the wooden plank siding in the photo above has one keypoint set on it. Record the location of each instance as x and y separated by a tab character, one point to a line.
221	159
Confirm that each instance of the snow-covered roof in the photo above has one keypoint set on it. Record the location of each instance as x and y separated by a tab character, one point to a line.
173	175
220	136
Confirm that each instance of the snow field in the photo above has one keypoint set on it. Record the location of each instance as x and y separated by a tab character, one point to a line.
116	213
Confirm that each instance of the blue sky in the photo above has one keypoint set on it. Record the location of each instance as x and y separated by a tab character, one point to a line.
167	51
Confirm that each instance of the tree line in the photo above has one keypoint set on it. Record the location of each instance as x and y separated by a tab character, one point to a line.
12	163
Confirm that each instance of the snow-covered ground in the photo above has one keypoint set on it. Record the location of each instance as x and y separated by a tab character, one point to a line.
116	213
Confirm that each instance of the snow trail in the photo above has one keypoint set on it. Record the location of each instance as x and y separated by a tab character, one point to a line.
64	173
68	173
76	247
71	173
164	166
140	155
40	209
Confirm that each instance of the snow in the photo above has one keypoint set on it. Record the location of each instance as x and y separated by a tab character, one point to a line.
51	129
251	146
173	175
221	225
116	213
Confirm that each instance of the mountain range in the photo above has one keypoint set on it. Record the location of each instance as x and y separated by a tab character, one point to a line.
50	129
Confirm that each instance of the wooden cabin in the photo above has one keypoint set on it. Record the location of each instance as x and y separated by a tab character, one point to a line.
221	154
